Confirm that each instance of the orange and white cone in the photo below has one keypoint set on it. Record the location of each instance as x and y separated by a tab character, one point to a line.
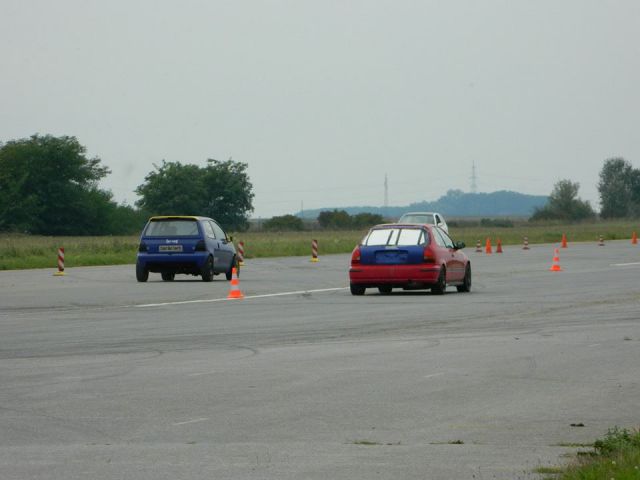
556	262
634	238
241	254
60	272
499	248
234	292
478	247
564	240
526	243
601	241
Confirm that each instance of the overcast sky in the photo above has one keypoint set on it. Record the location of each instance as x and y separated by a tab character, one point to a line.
322	98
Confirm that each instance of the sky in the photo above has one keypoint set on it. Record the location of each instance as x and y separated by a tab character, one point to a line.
322	99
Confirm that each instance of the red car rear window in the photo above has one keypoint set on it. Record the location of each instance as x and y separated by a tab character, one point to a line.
393	236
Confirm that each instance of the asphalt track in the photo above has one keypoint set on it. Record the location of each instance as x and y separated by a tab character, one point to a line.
105	378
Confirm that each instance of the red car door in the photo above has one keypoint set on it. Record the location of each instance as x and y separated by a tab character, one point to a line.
455	265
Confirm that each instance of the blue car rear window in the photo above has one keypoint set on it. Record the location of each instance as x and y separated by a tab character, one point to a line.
172	228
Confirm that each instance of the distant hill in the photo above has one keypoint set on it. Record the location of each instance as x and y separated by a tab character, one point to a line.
457	203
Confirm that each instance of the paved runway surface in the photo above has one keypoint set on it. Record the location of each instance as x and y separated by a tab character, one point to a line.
102	377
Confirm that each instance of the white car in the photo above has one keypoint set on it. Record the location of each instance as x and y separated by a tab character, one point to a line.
421	218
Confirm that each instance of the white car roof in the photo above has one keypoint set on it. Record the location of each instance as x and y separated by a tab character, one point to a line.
420	213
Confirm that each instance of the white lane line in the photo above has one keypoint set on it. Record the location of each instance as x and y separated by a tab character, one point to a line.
433	375
624	264
201	373
595	345
191	421
250	297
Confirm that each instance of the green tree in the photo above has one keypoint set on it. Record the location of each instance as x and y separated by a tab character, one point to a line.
126	220
563	204
336	219
284	223
366	220
619	188
173	189
221	190
229	193
48	186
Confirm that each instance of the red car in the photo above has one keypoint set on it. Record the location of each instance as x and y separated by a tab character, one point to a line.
411	257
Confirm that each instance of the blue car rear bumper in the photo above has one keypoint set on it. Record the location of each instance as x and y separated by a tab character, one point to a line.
177	262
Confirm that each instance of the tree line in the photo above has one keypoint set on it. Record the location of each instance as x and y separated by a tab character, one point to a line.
328	220
619	189
48	186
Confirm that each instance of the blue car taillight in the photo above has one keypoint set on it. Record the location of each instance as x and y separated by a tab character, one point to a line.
143	247
200	246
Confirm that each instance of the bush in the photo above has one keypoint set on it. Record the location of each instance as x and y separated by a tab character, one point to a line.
284	223
564	204
341	220
366	220
335	220
617	440
496	222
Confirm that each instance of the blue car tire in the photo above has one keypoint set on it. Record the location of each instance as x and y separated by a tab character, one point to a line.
229	273
142	274
207	270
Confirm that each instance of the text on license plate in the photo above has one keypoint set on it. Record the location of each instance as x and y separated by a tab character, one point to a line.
393	257
170	248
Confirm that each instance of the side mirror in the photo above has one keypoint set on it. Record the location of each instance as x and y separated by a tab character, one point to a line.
459	245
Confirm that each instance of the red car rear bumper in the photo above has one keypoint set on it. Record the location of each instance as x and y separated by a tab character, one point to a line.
398	275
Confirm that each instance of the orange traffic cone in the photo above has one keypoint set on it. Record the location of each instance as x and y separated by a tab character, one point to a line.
556	262
564	240
601	241
478	247
487	249
634	238
234	292
526	243
499	249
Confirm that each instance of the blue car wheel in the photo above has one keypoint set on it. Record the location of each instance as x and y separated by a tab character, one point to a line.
142	273
207	270
234	264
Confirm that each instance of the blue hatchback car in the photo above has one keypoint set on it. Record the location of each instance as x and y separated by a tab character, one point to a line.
184	244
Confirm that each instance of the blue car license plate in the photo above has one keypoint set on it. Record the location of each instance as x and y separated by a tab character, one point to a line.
392	257
170	248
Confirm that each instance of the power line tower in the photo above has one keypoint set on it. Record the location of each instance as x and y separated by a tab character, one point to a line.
386	191
474	179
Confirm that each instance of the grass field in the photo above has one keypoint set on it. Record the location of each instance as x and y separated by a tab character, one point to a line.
24	251
616	456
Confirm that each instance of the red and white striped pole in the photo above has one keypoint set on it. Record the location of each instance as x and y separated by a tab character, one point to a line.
241	253
60	271
314	250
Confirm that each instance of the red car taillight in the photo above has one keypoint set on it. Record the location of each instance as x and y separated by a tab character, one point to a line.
355	256
428	256
143	247
201	246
